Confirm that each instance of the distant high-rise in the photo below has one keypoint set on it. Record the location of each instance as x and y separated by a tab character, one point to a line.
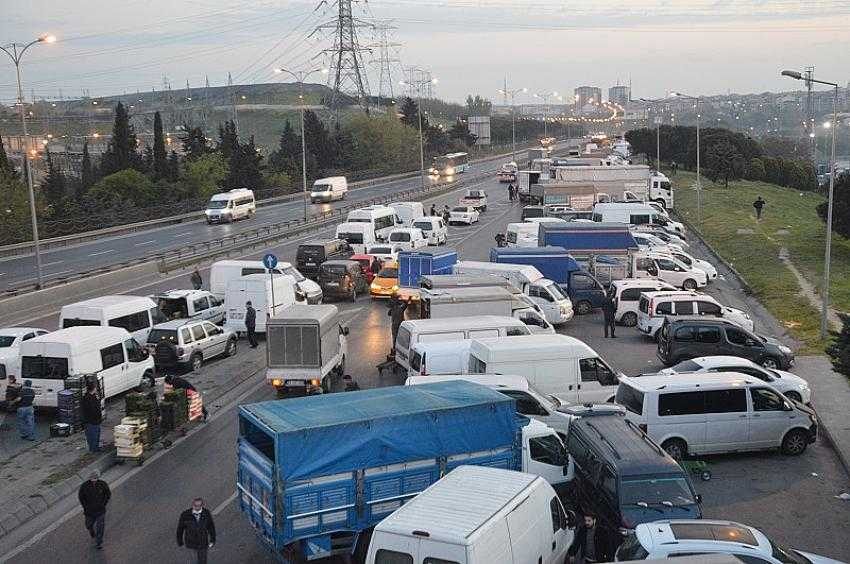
619	94
586	94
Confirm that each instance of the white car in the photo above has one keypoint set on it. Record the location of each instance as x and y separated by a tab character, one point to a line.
789	384
694	262
384	252
10	344
675	538
626	295
463	214
649	242
433	228
407	238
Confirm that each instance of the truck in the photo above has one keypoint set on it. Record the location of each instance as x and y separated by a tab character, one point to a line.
587	239
579	197
525	180
585	292
316	474
414	264
305	347
536	153
482	300
619	182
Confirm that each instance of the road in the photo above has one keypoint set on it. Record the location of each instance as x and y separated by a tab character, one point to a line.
791	499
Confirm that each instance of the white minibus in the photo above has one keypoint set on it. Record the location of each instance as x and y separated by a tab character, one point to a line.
231	206
383	219
136	314
329	189
223	271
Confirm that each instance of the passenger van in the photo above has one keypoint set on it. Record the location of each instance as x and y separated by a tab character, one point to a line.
414	331
329	189
383	219
440	357
408	212
477	515
223	271
359	236
110	352
626	295
231	206
268	295
133	313
433	228
311	254
407	238
554	364
633	213
653	307
695	414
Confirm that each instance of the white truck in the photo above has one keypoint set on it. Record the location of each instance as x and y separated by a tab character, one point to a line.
269	295
649	264
481	300
619	182
190	304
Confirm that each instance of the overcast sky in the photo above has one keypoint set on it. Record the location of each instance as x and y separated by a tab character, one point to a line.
691	46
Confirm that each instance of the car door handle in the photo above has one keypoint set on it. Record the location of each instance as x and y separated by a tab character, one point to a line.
554	544
756	415
570	387
742	417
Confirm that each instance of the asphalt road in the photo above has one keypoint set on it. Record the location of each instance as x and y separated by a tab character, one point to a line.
791	499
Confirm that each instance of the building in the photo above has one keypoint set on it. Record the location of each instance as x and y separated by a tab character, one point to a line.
586	95
619	94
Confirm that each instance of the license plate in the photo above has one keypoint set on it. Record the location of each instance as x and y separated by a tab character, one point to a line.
310	263
294	383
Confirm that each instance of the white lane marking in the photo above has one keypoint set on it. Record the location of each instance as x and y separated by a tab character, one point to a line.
102	252
223	505
144	243
182	234
45	265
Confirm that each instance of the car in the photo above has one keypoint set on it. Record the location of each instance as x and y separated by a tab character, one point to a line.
190	304
626	294
668	539
463	214
342	279
433	228
694	262
655	307
186	343
649	242
791	385
368	266
408	238
661	233
385	283
384	252
475	198
10	343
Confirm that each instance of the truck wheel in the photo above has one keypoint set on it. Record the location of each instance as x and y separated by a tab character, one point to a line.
584	307
196	362
629	319
676	448
689	284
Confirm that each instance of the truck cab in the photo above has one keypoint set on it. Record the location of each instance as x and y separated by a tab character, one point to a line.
661	190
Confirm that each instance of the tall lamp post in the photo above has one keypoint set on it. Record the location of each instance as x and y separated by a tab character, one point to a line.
300	77
545	97
512	94
699	179
16	53
418	85
824	325
658	121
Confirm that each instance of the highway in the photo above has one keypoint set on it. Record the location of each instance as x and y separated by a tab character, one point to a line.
790	498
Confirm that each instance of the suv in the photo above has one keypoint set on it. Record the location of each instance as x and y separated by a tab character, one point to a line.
190	304
683	339
654	307
188	343
312	254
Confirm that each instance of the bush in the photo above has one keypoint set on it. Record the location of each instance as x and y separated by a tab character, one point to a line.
124	186
839	351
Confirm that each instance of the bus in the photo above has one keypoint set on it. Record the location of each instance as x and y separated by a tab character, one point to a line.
449	165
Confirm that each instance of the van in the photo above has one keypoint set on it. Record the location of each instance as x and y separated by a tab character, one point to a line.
329	189
695	414
482	300
223	271
654	307
413	331
477	515
440	357
110	352
268	295
231	206
408	212
383	219
407	238
522	234
133	313
624	477
626	295
433	228
310	255
10	346
359	236
554	364
633	213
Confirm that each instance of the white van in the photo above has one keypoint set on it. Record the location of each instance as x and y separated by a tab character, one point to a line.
136	314
626	295
329	189
634	213
653	307
522	234
554	364
407	238
408	212
10	346
268	295
694	262
414	331
433	228
383	219
476	515
440	357
231	206
223	271
715	413
109	352
359	236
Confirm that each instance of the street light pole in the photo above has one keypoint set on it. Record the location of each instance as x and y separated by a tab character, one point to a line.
545	97
16	52
699	180
512	94
418	85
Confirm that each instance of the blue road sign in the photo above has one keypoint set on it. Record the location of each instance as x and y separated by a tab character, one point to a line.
270	261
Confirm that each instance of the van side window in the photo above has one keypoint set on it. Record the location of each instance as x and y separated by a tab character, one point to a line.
385	556
198	332
594	370
766	400
431	560
684	334
639	219
708	308
112	356
201	304
664	308
132	322
708	334
667	264
682	403
632	294
246	271
518	331
684	308
726	401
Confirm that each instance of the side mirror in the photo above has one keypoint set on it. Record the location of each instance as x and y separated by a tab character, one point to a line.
345	331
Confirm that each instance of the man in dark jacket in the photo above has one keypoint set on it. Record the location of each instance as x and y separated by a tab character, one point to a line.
179	383
13	391
92	416
609	308
251	324
591	543
26	411
197	281
759	205
396	312
433	211
94	495
196	530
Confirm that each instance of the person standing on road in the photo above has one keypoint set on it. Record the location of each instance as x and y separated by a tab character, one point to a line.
446	214
196	530
759	205
609	308
433	211
511	192
197	281
251	324
13	391
26	412
92	416
591	543
396	312
94	495
178	383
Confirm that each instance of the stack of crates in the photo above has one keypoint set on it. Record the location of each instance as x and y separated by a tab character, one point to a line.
175	409
144	406
69	405
128	441
142	424
196	405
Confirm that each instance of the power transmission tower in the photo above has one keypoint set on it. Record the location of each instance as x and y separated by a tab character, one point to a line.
385	59
347	70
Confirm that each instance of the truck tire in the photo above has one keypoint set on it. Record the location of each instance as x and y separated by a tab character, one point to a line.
583	307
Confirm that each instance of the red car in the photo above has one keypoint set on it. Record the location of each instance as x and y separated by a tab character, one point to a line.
368	264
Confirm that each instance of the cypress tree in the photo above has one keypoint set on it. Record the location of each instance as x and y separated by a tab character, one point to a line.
53	186
173	167
160	165
87	172
121	151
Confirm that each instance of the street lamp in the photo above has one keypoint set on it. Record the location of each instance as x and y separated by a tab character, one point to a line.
512	94
300	77
658	121
545	97
828	252
16	52
418	85
699	180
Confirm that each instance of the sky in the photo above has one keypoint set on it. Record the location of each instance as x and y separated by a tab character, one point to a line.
698	47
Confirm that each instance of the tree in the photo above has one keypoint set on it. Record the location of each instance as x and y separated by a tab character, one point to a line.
228	140
840	206
755	170
5	163
172	168
478	106
88	174
723	161
195	144
383	143
121	152
287	157
244	167
460	132
410	113
53	186
15	209
319	141
203	175
345	147
120	188
839	351
159	168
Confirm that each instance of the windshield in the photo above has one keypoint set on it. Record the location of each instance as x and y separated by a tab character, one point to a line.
6	341
423	225
665	185
400	237
388	273
352	238
358	220
321	187
656	490
686	366
217	204
556	292
629	398
162	335
173	308
462	210
292	271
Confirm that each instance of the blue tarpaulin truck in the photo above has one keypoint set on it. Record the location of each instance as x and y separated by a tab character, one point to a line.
315	474
583	240
412	265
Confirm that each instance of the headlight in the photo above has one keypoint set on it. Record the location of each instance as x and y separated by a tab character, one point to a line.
375	286
784	350
277	382
394	288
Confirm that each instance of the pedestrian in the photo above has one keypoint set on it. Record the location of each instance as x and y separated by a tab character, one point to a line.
26	411
674	168
196	530
251	324
591	543
396	312
178	383
197	281
759	205
446	215
13	392
92	416
94	496
609	308
433	210
375	266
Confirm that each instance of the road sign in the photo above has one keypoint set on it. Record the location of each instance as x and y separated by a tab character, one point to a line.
270	261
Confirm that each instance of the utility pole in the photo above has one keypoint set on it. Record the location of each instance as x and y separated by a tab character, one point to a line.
347	68
417	86
512	94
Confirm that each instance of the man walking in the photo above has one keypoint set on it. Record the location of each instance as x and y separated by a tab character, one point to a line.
94	495
759	205
197	281
591	543
196	530
396	312
92	416
251	324
178	383
26	412
446	214
609	308
433	211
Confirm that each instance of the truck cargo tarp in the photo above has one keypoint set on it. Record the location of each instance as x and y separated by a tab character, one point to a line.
332	433
554	263
583	238
414	264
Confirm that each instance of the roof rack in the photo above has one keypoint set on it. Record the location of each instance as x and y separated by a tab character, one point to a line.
646	438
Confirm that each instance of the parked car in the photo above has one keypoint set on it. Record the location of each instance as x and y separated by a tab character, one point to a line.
475	198
655	307
681	339
312	254
626	294
649	242
342	279
183	343
190	304
433	229
463	214
691	261
791	385
407	238
385	283
367	263
384	252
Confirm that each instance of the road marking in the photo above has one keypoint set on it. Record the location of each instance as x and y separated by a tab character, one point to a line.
182	234
45	265
102	252
144	243
223	505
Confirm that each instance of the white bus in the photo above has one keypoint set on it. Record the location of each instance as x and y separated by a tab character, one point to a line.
231	206
383	219
449	165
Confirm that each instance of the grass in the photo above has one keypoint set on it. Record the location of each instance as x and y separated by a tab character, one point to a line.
756	255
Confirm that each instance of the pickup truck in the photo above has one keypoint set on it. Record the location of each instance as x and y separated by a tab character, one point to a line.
476	199
190	304
507	172
315	474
